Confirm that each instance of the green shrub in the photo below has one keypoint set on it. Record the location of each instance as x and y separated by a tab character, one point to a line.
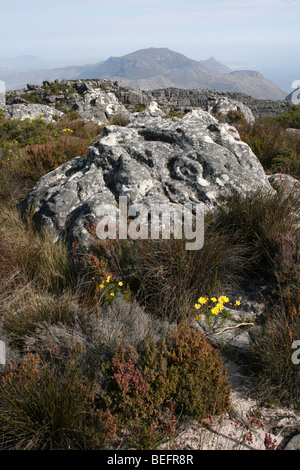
55	88
26	132
2	115
290	118
33	97
184	371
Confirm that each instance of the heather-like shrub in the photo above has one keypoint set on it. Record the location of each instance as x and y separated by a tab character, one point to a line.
31	148
184	370
54	327
77	127
196	368
39	160
235	117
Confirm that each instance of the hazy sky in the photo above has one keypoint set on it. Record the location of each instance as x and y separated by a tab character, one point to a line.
258	34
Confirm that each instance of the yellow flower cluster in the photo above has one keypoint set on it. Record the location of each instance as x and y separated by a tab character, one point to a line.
107	281
215	309
67	130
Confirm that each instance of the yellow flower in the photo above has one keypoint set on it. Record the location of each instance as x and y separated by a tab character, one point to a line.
198	317
237	302
223	299
215	311
220	307
202	300
108	278
121	284
112	294
197	306
101	286
213	299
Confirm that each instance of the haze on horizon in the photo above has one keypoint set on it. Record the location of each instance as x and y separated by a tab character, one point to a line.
262	35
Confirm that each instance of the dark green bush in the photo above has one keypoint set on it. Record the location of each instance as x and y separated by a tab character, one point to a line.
290	118
26	132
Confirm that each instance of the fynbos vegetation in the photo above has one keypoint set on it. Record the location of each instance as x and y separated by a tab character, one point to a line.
103	345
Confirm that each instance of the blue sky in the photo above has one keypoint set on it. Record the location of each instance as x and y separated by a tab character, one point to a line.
258	34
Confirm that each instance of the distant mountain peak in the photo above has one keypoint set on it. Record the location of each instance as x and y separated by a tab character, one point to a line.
160	67
149	68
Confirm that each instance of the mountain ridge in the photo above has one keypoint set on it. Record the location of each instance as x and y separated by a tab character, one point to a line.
155	68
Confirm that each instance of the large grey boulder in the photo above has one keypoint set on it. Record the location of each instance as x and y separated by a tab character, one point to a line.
151	161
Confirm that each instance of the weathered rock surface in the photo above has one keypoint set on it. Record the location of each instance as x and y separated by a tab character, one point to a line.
287	182
224	105
151	161
97	105
294	443
32	111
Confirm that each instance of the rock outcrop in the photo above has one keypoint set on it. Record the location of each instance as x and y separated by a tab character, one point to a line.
97	105
151	161
99	99
32	111
225	105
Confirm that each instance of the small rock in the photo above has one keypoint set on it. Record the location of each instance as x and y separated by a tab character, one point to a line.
294	443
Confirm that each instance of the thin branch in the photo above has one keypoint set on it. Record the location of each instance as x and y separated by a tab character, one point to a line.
233	327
